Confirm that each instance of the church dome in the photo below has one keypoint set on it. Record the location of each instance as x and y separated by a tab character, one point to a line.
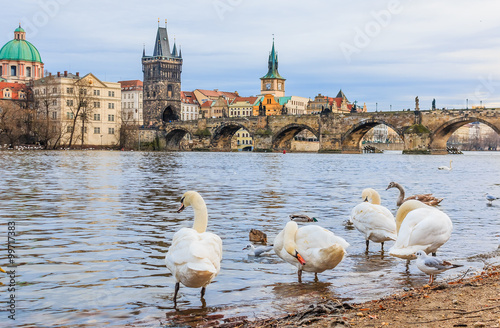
19	49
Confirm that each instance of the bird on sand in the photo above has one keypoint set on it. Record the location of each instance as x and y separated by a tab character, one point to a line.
445	168
424	198
302	218
432	265
195	254
490	198
257	251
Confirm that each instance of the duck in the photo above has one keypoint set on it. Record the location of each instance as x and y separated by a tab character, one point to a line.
257	236
446	168
310	248
194	256
424	198
302	218
257	251
420	227
373	220
432	265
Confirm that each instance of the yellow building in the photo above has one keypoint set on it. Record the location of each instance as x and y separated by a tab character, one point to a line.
268	105
82	111
244	141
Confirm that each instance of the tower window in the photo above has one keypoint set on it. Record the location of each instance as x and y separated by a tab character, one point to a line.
28	71
13	70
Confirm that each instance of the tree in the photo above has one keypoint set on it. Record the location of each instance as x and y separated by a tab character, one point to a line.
81	106
11	122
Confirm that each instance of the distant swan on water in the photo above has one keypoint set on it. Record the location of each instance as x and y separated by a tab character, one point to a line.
445	168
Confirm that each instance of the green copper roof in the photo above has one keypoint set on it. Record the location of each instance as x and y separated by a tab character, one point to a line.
19	29
20	50
272	73
283	100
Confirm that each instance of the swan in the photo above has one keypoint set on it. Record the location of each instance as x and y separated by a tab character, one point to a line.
194	256
424	198
302	218
373	220
310	248
420	227
446	168
432	265
257	251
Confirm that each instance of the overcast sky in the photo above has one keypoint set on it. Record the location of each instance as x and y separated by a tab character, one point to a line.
382	53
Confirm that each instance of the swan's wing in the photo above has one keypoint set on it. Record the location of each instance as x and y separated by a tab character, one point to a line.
313	236
368	217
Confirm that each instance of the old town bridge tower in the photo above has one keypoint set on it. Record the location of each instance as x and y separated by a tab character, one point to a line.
162	81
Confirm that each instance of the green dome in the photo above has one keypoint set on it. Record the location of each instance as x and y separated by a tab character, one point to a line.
19	29
20	50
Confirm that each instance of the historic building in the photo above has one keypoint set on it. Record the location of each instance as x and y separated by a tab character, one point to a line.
20	61
269	105
272	83
132	102
204	95
190	109
328	104
162	81
242	106
81	111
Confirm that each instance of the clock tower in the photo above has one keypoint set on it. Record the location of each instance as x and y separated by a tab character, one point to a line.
272	83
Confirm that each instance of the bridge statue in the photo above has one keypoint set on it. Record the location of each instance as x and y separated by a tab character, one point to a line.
434	104
417	108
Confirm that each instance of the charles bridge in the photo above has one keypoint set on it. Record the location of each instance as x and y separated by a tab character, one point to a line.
423	132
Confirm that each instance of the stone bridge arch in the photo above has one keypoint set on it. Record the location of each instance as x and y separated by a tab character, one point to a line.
440	136
174	136
222	135
352	138
283	138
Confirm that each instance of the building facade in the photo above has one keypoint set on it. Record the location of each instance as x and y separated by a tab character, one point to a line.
190	109
242	106
82	111
20	60
272	83
132	102
162	82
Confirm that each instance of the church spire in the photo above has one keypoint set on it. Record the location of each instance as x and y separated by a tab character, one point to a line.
273	65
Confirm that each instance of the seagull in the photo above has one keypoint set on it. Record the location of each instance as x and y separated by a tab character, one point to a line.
490	198
432	265
257	251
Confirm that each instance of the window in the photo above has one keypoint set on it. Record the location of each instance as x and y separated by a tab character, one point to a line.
111	93
111	117
54	115
97	130
111	106
97	104
97	117
28	71
54	90
69	115
83	91
97	92
54	102
69	102
13	70
111	130
69	90
1	73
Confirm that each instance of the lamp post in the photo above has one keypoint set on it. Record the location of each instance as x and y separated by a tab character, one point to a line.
376	107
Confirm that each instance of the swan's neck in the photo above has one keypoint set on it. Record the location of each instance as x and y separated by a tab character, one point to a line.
401	194
200	216
289	237
450	165
406	208
375	198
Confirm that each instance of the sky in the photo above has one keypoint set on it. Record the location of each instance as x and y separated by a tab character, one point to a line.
380	53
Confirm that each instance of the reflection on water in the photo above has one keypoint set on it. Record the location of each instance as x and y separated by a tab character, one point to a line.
93	229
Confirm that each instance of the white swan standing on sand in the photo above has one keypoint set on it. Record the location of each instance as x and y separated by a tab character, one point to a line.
310	248
420	227
445	168
424	198
194	256
373	220
432	265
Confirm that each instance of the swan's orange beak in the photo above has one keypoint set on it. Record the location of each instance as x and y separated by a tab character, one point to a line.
300	258
181	208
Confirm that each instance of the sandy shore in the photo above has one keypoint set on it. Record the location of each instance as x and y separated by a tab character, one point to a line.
472	302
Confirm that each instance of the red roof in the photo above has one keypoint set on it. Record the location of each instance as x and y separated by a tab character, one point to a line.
131	85
188	97
206	104
217	93
14	88
251	100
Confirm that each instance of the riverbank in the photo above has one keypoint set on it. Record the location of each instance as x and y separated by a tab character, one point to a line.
471	302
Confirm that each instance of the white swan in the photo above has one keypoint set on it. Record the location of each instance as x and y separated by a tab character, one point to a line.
373	220
310	248
420	227
446	168
194	256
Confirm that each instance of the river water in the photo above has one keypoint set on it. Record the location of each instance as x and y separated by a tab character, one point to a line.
92	229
